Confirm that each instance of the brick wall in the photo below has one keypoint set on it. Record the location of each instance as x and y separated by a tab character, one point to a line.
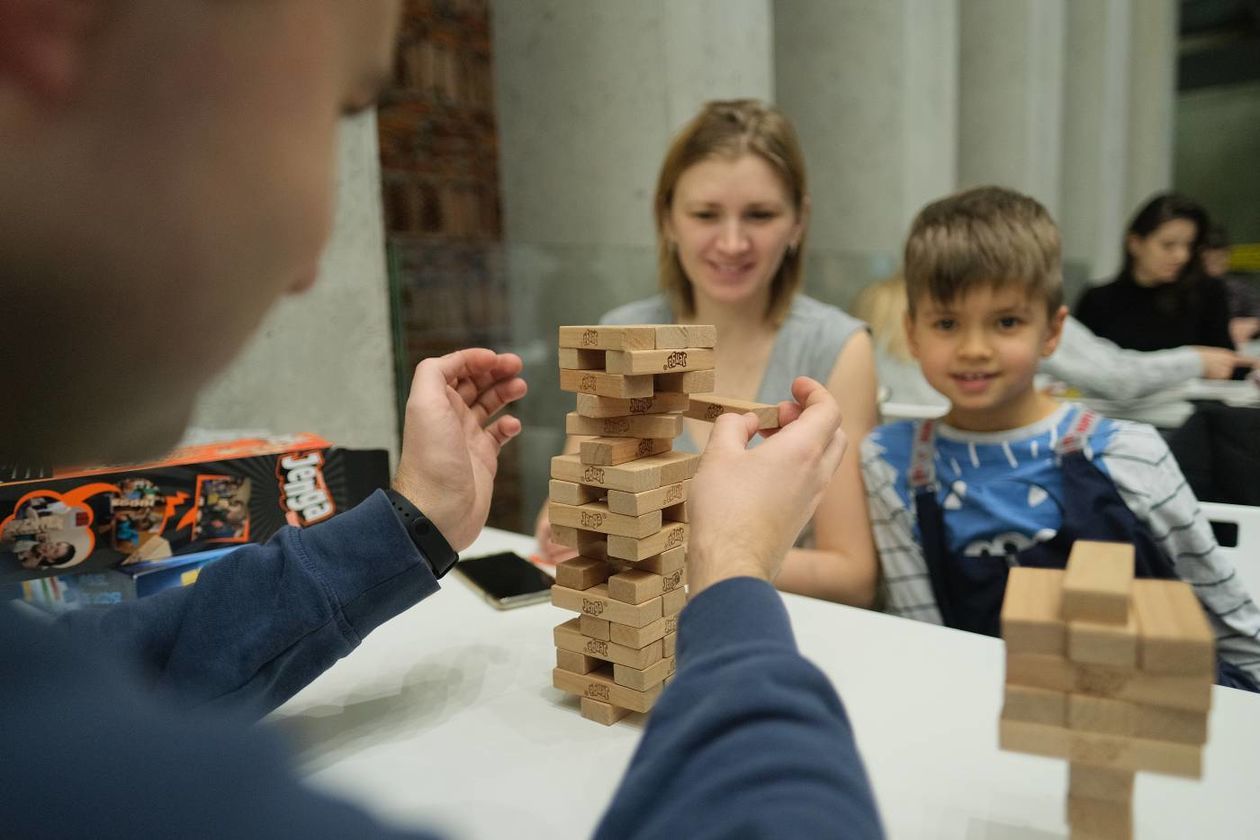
439	173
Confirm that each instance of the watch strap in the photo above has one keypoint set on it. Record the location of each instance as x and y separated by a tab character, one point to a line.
436	550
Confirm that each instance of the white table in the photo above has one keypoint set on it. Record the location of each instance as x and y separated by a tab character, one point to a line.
446	717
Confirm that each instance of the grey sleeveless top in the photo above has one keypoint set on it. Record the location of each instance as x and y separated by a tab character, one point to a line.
808	344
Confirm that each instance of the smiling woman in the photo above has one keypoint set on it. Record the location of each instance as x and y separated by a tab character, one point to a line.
1162	298
732	211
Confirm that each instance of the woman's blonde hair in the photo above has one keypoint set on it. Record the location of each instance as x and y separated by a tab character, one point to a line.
883	306
730	129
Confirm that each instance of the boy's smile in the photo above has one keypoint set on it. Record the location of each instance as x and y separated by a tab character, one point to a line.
981	351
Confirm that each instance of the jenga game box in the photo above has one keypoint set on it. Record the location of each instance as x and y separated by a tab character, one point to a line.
197	498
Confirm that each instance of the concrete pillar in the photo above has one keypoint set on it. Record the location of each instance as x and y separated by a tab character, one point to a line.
587	96
872	87
1152	96
323	362
1094	195
1011	95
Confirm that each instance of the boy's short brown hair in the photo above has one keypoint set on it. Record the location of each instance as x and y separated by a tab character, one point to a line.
984	236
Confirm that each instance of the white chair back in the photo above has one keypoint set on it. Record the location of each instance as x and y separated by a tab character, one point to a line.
1246	554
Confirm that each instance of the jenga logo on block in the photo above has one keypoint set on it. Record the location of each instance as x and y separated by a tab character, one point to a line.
1099	681
640	405
592	520
590	338
645	448
597	647
671	582
675	538
712	412
674	494
671	624
593	475
592	607
588	382
673	665
1104	753
676	360
616	425
598	691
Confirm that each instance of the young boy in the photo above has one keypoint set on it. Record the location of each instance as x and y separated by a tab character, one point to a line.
1010	476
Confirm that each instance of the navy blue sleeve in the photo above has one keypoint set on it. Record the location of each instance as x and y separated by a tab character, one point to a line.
88	753
262	622
749	740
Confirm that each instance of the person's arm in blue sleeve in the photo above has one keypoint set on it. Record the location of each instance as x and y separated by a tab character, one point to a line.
265	620
749	740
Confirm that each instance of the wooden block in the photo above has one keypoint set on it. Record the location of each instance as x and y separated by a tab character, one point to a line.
628	548
1180	725
1100	817
637	504
595	628
1095	748
602	337
640	426
568	636
605	384
1031	619
659	361
1060	674
634	477
711	406
587	543
634	586
590	405
1088	781
600	712
1035	705
638	637
665	563
1098	584
609	451
669	645
595	601
672	602
692	382
595	516
599	685
676	336
1101	714
1175	637
582	572
576	662
643	679
571	493
571	358
1104	644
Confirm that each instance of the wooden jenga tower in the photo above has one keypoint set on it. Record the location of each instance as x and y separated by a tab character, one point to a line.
1112	673
621	502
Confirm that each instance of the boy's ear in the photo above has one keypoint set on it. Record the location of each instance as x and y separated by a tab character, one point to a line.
43	45
1054	332
907	324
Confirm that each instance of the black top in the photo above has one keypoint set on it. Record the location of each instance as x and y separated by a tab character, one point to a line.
1193	310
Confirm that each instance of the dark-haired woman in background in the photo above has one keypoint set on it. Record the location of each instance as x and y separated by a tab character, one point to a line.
1162	298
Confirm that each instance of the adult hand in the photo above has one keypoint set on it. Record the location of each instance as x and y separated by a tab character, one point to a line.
747	506
451	441
1243	330
1219	363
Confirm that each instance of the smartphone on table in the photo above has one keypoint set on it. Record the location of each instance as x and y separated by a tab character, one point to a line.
506	579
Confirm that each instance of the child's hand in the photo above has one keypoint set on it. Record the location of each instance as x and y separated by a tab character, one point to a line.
1219	363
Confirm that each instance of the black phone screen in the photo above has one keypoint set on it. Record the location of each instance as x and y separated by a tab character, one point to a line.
505	575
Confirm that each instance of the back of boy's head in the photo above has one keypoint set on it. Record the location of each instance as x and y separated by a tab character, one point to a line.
987	236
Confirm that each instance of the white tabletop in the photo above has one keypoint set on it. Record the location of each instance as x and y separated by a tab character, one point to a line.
445	717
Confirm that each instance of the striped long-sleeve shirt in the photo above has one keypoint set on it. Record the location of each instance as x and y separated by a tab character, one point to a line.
1001	491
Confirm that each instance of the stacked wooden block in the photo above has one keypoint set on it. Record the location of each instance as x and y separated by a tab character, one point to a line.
1112	673
621	502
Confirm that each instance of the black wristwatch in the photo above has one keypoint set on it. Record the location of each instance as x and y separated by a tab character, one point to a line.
436	550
